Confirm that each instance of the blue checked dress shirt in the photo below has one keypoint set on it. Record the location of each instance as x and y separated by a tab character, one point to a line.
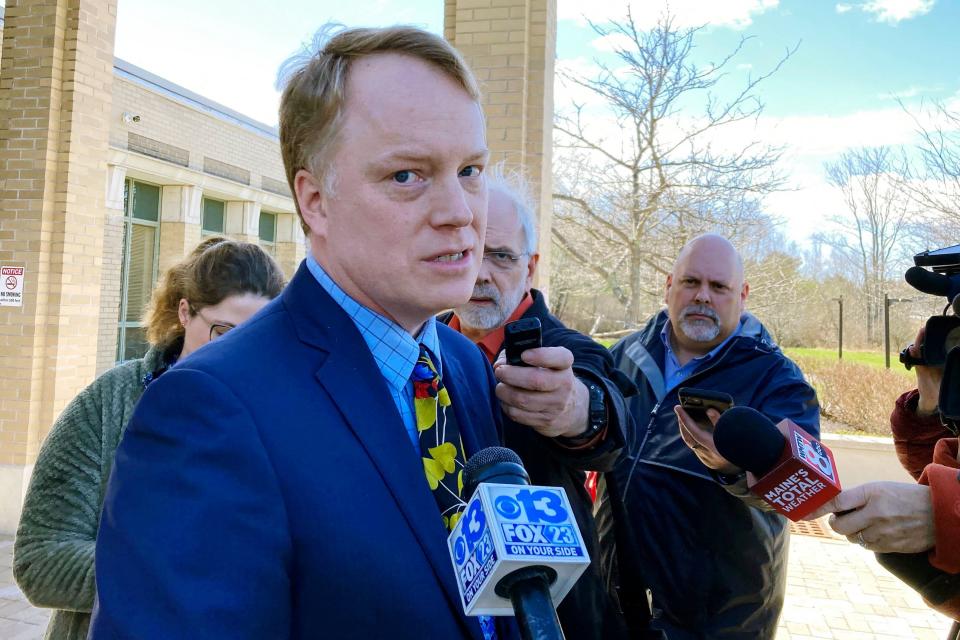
393	349
673	372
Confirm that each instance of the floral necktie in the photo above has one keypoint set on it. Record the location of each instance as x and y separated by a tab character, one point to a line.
440	445
441	450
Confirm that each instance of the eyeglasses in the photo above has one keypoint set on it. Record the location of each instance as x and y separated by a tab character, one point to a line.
217	329
503	260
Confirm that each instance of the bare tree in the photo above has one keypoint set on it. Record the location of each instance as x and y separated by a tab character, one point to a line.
869	234
935	183
626	202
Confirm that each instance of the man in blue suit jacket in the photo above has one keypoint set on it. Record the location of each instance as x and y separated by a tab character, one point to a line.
270	485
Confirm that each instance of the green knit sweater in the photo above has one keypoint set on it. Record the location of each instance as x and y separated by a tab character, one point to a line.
53	552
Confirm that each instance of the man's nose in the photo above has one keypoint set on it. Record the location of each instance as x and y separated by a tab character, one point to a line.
485	273
703	294
450	204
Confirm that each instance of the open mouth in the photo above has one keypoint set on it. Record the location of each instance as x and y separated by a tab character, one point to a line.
451	257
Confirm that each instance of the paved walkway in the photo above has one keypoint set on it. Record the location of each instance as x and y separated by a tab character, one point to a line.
18	620
835	590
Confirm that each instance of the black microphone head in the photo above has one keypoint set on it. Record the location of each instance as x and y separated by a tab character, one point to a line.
930	282
748	439
498	465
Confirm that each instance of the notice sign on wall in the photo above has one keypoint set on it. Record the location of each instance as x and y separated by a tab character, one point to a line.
11	286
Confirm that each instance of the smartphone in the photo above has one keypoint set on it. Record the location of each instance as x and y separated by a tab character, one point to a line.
696	402
520	335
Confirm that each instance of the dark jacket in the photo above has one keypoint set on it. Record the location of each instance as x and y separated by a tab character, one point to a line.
587	612
715	565
266	488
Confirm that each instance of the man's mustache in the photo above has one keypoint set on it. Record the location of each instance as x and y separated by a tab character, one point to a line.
700	309
486	291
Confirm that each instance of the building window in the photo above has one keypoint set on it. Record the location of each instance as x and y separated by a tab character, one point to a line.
141	245
268	231
212	221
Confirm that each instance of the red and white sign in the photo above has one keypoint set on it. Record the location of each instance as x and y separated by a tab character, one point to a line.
803	479
11	286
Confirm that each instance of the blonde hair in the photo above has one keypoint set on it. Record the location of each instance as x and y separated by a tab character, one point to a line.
215	270
314	88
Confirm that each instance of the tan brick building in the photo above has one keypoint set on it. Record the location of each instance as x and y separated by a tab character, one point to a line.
110	174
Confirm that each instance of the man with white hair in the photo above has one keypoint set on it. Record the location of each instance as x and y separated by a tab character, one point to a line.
690	554
570	385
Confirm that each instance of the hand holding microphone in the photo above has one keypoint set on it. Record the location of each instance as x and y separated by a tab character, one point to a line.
788	468
886	517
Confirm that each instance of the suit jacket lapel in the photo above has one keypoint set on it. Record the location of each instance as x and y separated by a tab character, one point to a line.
352	380
476	430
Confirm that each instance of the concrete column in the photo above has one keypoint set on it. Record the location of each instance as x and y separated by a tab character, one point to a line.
291	246
55	97
112	269
511	46
242	221
180	216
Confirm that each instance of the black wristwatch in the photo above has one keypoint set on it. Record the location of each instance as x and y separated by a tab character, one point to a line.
596	414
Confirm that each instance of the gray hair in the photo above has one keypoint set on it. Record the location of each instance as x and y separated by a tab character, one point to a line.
514	184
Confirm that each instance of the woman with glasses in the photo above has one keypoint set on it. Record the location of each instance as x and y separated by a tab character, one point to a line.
214	289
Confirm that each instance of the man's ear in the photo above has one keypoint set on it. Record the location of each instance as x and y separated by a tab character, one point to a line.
744	292
666	289
532	269
311	198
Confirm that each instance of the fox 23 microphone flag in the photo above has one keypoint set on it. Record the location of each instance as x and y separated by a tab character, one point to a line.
509	527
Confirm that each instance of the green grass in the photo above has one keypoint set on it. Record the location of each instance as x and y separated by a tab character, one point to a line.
871	358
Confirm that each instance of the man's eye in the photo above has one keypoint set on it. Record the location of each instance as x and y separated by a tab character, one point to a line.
405	177
470	172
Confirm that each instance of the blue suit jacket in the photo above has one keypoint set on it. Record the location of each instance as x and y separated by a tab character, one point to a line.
266	488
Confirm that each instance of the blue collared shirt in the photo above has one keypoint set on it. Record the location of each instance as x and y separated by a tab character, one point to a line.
673	372
394	350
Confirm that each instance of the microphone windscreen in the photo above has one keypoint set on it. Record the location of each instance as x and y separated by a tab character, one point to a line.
748	439
497	465
930	282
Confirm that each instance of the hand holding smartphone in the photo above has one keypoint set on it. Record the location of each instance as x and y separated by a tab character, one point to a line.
696	402
520	335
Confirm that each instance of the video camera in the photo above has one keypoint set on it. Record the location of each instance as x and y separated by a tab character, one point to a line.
941	341
940	347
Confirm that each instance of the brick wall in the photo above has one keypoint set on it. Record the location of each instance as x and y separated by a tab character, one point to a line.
55	95
511	46
167	120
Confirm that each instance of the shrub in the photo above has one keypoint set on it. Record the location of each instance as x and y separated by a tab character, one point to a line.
858	396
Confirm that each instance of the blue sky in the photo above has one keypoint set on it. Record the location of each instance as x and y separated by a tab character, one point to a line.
836	92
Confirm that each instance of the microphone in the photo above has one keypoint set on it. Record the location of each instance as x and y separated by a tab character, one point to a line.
517	548
930	282
796	474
